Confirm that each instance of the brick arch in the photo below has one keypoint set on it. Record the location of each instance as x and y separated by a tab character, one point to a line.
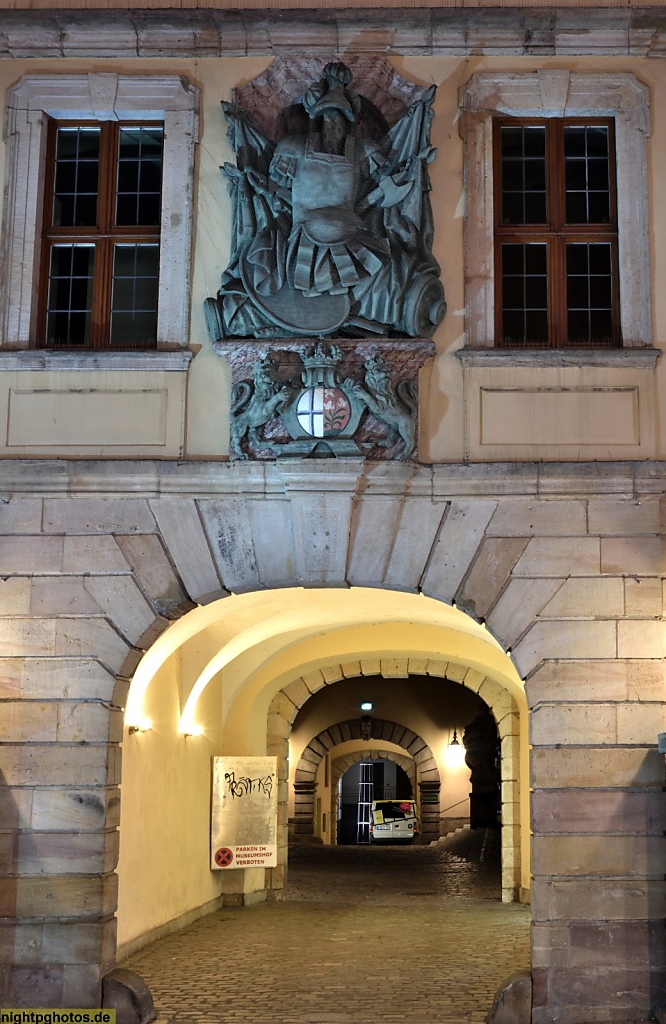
418	751
287	703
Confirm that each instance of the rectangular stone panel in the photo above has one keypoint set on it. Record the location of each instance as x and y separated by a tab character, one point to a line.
95	417
92	555
559	556
525	517
576	416
270	524
596	856
103	514
30	555
30	637
634	556
578	680
61	764
625	517
641	638
595	598
575	725
592	811
608	767
565	639
20	515
643	597
78	810
598	899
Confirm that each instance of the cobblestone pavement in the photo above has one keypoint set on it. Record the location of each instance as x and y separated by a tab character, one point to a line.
381	935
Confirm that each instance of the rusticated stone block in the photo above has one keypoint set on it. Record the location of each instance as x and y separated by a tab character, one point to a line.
577	724
596	597
579	680
103	514
34	986
632	555
598	899
597	856
559	556
640	638
559	638
615	944
643	597
595	811
596	766
610	515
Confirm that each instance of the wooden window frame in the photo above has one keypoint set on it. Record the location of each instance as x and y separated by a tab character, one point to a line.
555	232
104	235
543	94
96	96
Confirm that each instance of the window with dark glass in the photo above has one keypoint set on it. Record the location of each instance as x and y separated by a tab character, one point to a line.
101	236
555	234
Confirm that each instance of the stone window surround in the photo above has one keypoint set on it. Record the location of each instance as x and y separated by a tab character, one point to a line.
96	97
557	93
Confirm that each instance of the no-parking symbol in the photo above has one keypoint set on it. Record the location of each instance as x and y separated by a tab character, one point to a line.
224	857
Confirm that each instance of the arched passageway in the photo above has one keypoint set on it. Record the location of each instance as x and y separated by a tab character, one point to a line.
418	760
229	678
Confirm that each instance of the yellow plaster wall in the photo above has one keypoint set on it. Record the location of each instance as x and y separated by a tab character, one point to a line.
442	394
163	866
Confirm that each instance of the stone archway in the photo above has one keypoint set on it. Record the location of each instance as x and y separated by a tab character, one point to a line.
544	555
286	704
427	772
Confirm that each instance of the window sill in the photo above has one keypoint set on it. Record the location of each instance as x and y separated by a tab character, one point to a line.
617	358
45	359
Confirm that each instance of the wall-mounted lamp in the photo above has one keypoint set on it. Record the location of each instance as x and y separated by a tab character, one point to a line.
141	725
366	705
454	755
193	730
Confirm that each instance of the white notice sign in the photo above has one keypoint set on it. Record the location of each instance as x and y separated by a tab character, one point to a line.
244	818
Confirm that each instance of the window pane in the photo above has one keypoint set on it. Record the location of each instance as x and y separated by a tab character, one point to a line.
76	177
139	181
523	172
134	297
589	293
69	309
586	174
524	293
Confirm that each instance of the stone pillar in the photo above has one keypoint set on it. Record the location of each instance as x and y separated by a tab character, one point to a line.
58	895
429	801
304	808
598	819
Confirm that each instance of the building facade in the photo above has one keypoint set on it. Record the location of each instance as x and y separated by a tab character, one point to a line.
163	603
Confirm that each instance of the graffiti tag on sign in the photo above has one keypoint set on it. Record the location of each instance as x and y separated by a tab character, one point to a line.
244	786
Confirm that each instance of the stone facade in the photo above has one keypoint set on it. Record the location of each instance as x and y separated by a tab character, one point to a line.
98	565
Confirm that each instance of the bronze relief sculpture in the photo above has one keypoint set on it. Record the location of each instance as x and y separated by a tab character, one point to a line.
331	293
332	231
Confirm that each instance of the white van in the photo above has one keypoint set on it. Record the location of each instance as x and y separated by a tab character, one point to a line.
393	821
